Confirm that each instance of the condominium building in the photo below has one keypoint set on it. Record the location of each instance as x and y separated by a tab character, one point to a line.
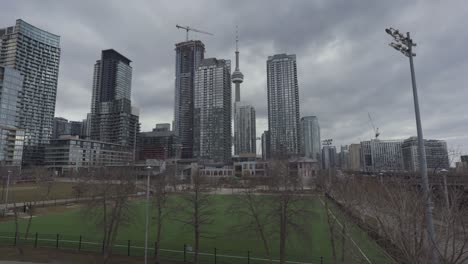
436	154
266	145
72	153
381	155
283	104
11	137
113	118
343	157
159	144
245	138
212	113
35	53
189	55
354	157
60	127
329	157
310	137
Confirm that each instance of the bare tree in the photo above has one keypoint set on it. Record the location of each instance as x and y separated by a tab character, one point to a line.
252	210
197	210
289	205
110	209
161	201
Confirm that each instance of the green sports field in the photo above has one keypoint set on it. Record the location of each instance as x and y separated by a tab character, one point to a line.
308	249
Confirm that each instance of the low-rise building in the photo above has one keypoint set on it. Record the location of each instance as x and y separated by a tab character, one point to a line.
381	155
71	153
159	144
436	154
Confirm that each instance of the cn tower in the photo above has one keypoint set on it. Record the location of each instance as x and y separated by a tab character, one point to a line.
237	76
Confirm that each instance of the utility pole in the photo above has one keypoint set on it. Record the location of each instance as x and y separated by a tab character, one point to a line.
405	45
147	212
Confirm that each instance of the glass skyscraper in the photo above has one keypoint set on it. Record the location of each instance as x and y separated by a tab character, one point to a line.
189	55
212	121
283	104
113	119
310	131
11	137
35	53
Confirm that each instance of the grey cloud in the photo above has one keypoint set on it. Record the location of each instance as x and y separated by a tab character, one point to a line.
346	68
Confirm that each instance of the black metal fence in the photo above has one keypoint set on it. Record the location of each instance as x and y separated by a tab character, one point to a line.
184	253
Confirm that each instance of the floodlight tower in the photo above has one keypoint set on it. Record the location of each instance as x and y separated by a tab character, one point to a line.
405	45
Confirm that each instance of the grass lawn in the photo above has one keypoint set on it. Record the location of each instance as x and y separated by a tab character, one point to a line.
221	235
26	192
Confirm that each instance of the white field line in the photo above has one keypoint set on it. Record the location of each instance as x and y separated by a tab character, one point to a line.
347	234
168	250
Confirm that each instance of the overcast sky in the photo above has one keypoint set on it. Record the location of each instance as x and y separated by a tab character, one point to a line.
345	66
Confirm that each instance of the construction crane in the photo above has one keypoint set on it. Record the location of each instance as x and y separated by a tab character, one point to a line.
376	130
187	29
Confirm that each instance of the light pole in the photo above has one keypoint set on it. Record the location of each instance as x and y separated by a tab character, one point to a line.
147	212
405	45
6	193
444	172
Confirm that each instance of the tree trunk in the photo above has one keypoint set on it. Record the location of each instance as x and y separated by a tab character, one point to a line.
158	231
283	233
196	228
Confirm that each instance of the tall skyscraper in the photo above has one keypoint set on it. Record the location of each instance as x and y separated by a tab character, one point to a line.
35	53
212	115
310	131
329	157
244	117
113	119
266	144
189	55
11	137
283	104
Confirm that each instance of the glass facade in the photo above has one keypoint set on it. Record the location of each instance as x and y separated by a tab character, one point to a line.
11	138
212	115
283	104
310	131
113	119
189	55
35	53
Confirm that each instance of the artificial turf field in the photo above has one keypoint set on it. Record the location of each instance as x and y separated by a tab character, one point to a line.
71	224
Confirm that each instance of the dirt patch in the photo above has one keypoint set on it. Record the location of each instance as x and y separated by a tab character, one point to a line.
50	255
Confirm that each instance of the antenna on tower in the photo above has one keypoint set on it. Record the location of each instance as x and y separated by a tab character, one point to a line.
237	38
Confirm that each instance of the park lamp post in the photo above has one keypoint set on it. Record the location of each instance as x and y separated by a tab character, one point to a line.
405	45
148	169
5	208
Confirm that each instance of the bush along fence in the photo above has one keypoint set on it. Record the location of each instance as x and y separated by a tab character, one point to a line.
182	254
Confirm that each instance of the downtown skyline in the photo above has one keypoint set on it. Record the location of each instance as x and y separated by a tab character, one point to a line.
339	82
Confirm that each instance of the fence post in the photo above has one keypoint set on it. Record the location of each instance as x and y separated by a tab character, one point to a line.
185	253
16	235
128	248
248	257
321	260
35	241
79	244
57	241
155	249
103	245
215	254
